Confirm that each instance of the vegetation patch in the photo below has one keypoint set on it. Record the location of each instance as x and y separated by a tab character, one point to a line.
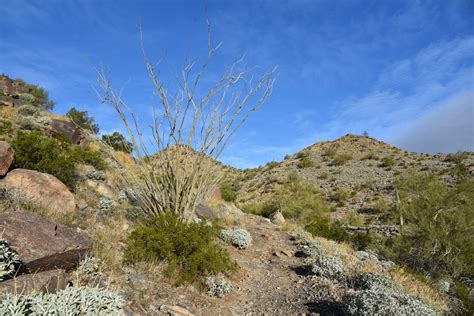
189	249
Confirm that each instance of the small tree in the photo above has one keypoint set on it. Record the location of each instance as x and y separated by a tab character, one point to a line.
82	119
190	130
118	142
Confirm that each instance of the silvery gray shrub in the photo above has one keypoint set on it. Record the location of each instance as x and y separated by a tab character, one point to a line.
70	301
311	248
366	256
96	175
106	205
27	97
378	295
240	238
218	288
379	302
88	268
9	260
328	267
373	281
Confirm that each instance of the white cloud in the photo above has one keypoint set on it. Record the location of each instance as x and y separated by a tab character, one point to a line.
447	128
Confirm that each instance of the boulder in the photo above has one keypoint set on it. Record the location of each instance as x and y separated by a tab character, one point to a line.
41	189
42	282
277	218
68	129
41	244
6	157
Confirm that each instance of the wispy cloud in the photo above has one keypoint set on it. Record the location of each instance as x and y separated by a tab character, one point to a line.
447	128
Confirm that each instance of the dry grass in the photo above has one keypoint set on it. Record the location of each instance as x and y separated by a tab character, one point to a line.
428	294
8	112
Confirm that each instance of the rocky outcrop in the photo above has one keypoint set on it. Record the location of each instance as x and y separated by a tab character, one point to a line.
277	218
42	190
44	282
380	229
6	157
41	244
68	129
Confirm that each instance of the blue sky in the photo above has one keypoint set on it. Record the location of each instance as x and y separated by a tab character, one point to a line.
401	70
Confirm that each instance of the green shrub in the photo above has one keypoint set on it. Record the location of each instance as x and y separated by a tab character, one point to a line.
118	142
299	200
228	192
370	156
438	236
324	175
322	226
271	165
189	248
38	152
388	162
263	209
82	119
330	152
5	127
341	159
457	157
302	154
305	162
340	195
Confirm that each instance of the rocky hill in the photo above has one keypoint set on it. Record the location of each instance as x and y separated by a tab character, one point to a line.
66	218
355	173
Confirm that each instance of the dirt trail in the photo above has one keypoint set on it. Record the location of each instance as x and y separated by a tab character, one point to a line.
271	280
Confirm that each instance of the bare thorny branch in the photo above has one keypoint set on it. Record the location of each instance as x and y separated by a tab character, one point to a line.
190	130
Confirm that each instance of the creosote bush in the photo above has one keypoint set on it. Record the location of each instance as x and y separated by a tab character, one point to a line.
228	192
38	152
188	248
341	159
305	162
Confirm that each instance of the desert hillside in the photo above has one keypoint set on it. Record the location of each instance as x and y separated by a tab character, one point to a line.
328	231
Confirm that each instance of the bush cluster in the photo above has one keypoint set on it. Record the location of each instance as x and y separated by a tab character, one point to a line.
341	159
305	162
328	267
189	248
106	205
378	295
70	301
118	142
432	210
228	192
96	175
37	152
83	120
239	238
218	288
